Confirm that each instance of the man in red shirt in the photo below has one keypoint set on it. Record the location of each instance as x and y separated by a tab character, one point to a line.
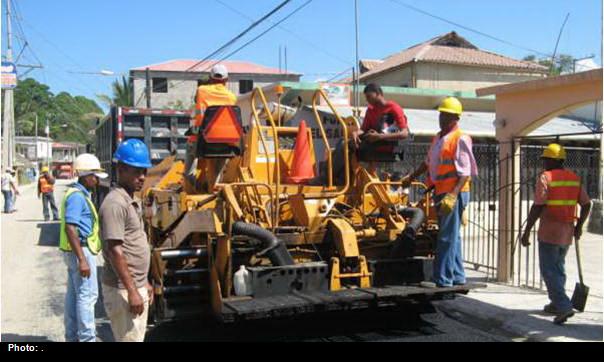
384	121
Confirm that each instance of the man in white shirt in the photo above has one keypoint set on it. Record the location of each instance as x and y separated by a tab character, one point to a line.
9	187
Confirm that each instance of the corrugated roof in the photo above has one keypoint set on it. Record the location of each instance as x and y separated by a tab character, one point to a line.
234	67
424	122
452	49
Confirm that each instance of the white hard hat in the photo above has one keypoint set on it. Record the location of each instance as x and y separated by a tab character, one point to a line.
87	164
219	72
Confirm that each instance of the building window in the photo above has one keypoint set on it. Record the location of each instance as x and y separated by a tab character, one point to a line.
160	85
245	85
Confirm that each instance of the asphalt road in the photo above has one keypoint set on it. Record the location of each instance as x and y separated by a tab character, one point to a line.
33	288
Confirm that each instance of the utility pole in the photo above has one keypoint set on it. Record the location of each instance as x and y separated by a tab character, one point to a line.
357	87
148	87
37	157
48	150
8	144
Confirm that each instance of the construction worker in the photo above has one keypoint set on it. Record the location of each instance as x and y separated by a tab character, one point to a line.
557	193
46	187
9	190
80	240
127	293
450	164
384	120
215	93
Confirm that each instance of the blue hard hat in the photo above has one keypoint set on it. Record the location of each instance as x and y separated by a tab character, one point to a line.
133	152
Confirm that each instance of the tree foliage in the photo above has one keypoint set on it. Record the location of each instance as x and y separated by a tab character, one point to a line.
70	118
564	63
122	94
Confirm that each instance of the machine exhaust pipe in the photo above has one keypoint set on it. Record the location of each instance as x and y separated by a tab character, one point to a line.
405	243
273	248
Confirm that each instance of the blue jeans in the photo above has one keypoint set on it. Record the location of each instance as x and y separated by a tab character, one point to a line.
48	202
8	201
448	261
82	294
551	264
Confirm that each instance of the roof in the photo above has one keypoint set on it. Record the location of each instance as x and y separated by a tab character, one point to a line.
424	122
531	85
234	67
452	49
368	64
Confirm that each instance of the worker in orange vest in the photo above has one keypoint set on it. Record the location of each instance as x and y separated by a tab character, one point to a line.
557	193
46	188
215	93
450	165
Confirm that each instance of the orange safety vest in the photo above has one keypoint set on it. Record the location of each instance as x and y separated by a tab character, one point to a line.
446	177
45	186
564	188
208	96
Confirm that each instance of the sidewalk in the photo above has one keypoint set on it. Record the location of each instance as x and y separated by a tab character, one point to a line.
517	312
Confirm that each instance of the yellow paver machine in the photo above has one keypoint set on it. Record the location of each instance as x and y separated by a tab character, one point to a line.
238	234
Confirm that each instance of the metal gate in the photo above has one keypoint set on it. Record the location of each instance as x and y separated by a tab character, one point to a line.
582	160
479	237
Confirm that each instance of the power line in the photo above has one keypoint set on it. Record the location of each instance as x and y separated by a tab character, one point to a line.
240	35
264	32
246	44
317	47
411	7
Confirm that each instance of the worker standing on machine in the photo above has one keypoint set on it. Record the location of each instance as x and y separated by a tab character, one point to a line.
451	165
127	292
215	93
557	193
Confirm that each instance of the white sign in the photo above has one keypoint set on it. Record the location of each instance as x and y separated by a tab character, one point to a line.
9	75
338	94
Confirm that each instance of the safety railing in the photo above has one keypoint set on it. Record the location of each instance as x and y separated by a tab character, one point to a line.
254	185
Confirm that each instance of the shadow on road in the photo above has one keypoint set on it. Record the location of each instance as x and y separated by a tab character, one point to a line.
10	337
389	324
49	234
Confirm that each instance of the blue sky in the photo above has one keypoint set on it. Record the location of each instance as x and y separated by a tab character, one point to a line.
76	35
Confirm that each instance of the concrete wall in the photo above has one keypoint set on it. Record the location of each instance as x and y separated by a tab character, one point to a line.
449	77
182	86
399	78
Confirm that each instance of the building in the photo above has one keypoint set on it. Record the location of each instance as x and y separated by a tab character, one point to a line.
173	83
63	156
34	149
448	62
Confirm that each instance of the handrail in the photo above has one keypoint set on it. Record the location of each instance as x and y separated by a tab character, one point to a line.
320	93
277	174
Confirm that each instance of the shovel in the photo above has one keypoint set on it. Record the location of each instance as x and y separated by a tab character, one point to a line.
581	292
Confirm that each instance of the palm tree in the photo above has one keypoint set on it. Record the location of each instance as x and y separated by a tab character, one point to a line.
122	94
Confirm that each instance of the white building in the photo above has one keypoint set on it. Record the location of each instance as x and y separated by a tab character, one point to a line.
173	83
26	146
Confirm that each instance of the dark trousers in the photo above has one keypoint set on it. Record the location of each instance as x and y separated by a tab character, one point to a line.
48	199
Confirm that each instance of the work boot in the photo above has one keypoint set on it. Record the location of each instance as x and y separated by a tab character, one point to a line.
432	285
550	308
561	318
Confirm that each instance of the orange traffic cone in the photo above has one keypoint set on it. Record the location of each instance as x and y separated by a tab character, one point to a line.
302	168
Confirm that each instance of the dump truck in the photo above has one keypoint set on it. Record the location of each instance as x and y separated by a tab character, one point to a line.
247	210
162	130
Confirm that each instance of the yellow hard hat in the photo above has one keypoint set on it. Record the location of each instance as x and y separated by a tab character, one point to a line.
44	169
554	151
451	105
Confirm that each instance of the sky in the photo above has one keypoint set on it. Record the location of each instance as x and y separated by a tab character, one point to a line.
69	36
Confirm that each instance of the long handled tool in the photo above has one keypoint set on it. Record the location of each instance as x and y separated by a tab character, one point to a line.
581	292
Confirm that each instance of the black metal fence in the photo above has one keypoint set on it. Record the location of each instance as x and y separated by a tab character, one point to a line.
480	236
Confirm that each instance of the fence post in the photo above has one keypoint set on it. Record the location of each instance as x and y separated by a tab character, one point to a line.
509	172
